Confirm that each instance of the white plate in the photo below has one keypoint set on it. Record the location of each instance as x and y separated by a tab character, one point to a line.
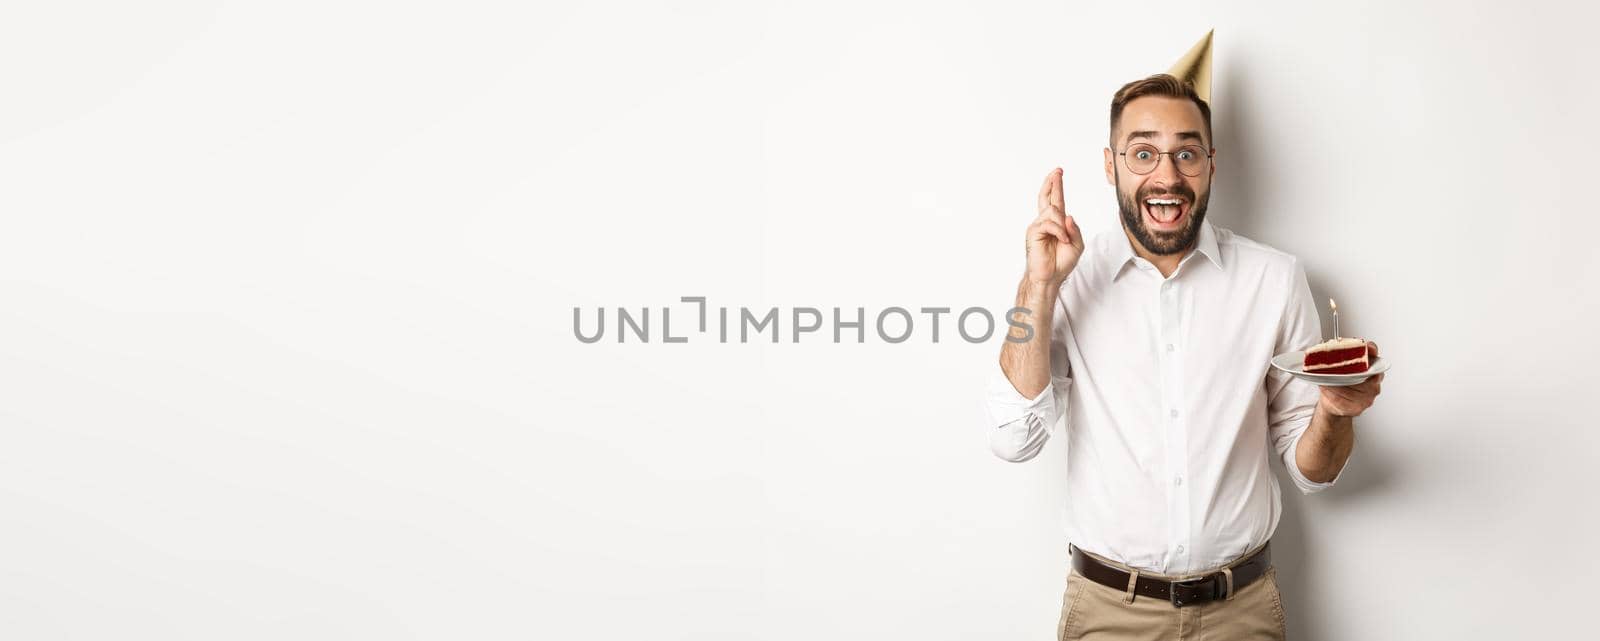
1294	363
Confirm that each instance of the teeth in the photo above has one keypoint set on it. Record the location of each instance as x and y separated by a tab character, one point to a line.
1161	201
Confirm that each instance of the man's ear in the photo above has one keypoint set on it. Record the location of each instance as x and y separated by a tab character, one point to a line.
1111	177
1213	162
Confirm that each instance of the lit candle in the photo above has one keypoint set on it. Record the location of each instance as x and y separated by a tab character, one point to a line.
1335	307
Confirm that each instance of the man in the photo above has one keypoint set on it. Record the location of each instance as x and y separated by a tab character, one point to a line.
1154	344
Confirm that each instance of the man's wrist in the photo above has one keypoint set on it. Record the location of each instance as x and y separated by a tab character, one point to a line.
1333	420
1034	288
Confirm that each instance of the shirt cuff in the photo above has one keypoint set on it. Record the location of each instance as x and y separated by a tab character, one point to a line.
1307	486
1007	405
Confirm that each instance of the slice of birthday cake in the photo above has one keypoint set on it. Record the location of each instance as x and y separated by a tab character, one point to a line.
1339	356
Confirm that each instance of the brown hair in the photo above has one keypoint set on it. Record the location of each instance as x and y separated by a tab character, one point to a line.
1157	85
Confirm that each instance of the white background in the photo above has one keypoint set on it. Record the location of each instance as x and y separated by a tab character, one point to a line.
288	287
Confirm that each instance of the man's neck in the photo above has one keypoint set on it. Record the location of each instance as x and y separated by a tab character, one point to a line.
1165	264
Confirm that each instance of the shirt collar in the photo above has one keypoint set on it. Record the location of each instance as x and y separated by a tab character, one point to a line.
1122	253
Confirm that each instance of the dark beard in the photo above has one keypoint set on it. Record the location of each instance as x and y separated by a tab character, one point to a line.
1163	243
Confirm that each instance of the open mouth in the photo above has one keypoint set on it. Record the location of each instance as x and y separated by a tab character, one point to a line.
1165	212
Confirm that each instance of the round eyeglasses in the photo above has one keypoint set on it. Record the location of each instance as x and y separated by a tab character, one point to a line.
1143	159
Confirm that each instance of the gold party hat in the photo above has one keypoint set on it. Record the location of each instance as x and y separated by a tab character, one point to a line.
1195	67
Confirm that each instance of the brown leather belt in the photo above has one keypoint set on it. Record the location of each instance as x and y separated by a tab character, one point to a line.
1210	587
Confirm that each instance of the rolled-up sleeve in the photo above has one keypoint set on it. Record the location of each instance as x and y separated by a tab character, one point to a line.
1291	401
1019	426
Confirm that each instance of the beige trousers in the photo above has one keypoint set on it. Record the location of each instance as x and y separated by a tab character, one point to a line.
1096	612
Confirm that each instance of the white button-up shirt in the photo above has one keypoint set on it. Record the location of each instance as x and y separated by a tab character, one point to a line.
1169	406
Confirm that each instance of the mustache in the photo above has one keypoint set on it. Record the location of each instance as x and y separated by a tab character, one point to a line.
1176	190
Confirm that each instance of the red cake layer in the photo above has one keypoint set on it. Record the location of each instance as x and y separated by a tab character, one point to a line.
1353	368
1334	355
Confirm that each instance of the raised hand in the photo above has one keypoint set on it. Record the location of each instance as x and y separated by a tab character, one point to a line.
1054	242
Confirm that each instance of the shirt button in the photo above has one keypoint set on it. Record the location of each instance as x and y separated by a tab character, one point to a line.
1177	480
1180	549
1173	413
1169	347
